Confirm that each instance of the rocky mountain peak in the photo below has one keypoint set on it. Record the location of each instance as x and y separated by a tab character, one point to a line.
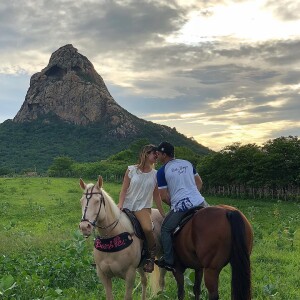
70	88
67	60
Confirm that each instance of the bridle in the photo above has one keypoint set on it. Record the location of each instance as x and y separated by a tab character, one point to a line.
88	196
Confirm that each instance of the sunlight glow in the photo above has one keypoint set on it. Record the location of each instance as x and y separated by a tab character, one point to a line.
223	101
277	103
247	20
282	89
251	133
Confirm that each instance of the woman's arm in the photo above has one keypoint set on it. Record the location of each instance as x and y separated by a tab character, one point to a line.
157	199
125	186
164	195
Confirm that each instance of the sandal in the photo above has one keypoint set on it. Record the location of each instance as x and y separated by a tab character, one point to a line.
149	265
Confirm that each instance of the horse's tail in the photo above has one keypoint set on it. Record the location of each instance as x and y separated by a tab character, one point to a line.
157	280
239	258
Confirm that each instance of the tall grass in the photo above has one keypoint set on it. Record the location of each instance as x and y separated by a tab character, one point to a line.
43	256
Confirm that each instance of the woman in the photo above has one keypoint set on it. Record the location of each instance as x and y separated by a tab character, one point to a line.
138	191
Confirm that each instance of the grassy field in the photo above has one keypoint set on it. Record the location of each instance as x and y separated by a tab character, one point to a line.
43	256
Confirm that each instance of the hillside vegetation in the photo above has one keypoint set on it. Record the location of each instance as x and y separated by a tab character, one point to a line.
33	145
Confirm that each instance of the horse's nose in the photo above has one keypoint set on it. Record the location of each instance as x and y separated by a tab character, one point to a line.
85	228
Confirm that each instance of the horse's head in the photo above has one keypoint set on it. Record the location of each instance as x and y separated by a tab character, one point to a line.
92	203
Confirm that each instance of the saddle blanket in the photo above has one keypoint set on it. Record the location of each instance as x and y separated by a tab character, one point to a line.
113	244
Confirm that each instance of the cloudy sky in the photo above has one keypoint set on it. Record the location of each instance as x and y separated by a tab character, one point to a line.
219	71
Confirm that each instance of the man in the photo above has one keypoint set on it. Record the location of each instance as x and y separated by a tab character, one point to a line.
179	186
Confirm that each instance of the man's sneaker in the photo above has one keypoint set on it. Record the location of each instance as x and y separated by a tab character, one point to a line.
162	264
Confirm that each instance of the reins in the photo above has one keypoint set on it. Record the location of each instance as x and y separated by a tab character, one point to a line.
88	196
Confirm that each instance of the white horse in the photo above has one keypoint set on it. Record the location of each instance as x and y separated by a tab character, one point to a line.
100	212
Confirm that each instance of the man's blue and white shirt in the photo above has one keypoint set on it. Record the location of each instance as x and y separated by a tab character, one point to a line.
178	176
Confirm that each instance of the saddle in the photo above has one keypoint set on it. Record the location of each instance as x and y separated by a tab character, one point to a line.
138	232
136	224
185	218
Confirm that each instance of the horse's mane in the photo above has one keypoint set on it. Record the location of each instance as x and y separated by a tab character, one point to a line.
115	211
112	205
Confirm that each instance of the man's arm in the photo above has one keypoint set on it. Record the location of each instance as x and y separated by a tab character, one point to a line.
198	182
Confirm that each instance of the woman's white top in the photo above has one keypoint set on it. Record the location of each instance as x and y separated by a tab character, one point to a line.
139	194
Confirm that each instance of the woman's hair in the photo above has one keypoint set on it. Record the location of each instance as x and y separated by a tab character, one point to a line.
143	155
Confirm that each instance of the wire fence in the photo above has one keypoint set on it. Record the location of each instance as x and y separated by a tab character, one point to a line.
291	193
238	191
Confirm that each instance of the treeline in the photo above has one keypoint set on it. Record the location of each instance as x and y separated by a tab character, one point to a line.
271	170
112	168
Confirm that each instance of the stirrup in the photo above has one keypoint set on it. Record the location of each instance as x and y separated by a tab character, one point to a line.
162	264
149	265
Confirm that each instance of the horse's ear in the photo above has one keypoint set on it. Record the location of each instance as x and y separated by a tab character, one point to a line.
82	184
100	182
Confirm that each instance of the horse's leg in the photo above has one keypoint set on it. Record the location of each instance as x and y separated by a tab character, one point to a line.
143	282
211	279
178	274
107	284
197	283
129	278
162	274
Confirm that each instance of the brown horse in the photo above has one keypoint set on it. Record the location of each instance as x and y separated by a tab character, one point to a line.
214	237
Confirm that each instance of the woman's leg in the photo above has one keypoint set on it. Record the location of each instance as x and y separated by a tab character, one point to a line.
144	217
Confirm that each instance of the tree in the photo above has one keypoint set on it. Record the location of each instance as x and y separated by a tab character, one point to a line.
215	169
61	167
5	171
246	165
188	154
282	161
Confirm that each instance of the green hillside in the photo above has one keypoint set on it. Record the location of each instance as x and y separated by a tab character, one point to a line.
34	145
